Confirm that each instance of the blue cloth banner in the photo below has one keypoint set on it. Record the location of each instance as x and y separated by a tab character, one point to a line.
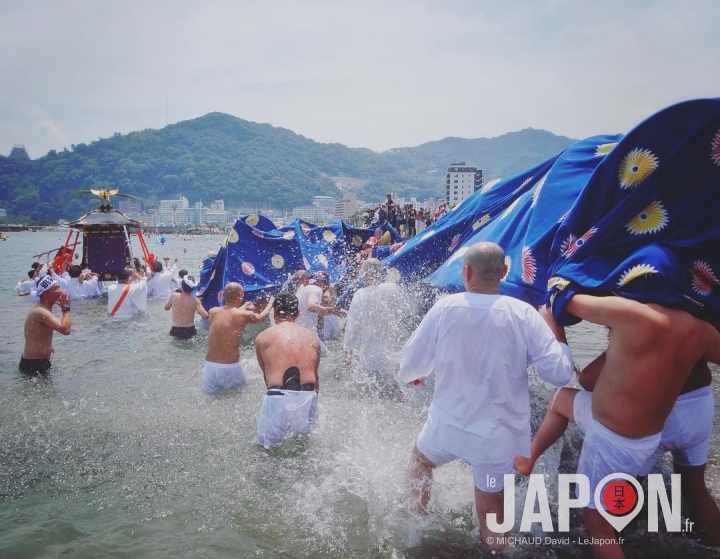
635	215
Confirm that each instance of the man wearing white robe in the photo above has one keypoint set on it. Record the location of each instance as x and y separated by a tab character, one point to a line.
134	301
373	334
479	344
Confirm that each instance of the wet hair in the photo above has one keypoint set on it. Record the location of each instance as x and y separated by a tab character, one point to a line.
286	305
188	284
136	264
35	265
157	267
74	271
123	275
31	274
182	273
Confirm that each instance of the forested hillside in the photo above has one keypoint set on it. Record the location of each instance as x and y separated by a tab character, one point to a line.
246	163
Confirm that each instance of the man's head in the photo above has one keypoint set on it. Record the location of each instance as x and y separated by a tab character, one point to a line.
483	267
182	273
74	271
301	277
233	294
31	274
321	278
123	276
187	284
286	306
35	265
48	290
157	267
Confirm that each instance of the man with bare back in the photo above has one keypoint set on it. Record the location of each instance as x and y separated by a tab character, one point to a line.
654	355
40	325
289	355
184	305
222	367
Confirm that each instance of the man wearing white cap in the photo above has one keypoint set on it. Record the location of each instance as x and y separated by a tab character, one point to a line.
184	305
40	325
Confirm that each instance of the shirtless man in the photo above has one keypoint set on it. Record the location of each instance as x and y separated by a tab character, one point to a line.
40	325
288	355
184	306
651	353
222	367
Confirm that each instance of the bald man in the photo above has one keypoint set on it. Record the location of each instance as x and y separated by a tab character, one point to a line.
479	344
222	369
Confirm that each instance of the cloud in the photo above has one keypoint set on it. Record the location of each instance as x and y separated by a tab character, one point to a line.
51	130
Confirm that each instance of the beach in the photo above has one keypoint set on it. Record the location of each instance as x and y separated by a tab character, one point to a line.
119	452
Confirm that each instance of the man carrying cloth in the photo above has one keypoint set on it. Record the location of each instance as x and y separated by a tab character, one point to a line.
289	356
652	351
479	344
222	367
40	325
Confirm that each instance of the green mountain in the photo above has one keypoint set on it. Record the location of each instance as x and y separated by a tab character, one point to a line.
246	163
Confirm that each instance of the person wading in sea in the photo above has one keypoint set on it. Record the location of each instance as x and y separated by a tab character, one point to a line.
289	356
184	306
40	325
222	367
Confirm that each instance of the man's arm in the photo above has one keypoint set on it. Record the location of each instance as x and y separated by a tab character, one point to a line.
713	354
255	317
553	358
200	309
608	311
64	325
168	303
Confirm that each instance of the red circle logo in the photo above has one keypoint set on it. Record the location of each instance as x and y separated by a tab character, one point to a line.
619	497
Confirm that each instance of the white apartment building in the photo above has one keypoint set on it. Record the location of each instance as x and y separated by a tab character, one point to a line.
461	181
346	206
173	211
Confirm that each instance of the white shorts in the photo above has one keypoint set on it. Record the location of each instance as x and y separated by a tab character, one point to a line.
442	443
219	376
687	430
582	409
605	452
288	412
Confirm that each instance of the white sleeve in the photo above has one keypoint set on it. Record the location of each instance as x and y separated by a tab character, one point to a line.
418	357
353	324
554	360
138	293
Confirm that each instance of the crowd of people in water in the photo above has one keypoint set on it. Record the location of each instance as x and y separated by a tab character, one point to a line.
647	394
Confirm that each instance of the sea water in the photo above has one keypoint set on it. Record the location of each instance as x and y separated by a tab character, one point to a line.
119	453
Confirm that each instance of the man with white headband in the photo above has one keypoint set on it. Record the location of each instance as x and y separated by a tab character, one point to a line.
184	305
40	325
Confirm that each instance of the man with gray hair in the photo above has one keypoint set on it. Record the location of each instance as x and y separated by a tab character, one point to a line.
478	344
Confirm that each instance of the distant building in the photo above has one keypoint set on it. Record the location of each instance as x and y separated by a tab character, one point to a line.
19	152
313	214
217	206
346	206
172	211
325	202
461	181
216	217
129	208
197	215
349	183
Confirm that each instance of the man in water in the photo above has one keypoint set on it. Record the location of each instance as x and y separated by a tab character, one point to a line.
310	302
373	337
222	369
40	325
479	344
652	351
184	305
128	296
79	285
289	356
686	434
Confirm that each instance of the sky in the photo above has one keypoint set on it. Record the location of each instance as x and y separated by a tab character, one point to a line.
366	73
